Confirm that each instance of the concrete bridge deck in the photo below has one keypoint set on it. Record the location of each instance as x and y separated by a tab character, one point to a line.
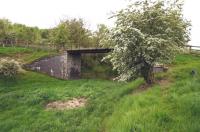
89	50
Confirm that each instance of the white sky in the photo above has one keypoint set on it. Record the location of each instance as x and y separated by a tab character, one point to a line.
47	13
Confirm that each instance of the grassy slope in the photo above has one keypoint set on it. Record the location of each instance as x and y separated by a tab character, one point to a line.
163	108
110	106
9	51
24	55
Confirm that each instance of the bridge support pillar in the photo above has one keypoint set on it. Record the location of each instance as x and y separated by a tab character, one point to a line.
73	65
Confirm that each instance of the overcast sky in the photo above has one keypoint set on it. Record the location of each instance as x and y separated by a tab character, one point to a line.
47	13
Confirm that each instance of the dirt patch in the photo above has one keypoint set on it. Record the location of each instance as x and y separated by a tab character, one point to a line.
164	83
142	88
66	105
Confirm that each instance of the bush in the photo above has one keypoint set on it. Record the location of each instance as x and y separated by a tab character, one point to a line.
9	68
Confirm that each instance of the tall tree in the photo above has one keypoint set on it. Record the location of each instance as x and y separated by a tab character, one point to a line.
100	35
60	35
71	34
147	33
79	35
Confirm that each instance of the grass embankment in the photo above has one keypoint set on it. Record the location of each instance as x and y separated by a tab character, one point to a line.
9	51
24	55
111	106
167	107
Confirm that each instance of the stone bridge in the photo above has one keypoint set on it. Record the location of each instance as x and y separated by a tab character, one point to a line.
65	66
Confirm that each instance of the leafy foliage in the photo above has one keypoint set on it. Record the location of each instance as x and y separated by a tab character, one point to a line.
9	68
147	33
100	36
60	35
69	33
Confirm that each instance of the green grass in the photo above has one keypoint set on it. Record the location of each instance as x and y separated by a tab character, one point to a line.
36	55
23	102
111	106
24	55
9	51
163	108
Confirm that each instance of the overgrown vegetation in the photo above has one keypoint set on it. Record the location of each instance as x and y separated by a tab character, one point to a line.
6	51
111	106
9	68
94	67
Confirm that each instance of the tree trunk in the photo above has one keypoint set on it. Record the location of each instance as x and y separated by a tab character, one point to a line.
147	73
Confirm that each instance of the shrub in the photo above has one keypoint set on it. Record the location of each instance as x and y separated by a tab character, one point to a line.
9	68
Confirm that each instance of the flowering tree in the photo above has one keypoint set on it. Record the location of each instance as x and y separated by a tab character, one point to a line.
147	33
